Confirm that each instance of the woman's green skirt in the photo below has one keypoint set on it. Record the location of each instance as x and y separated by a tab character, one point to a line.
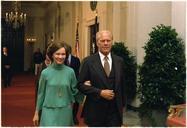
61	116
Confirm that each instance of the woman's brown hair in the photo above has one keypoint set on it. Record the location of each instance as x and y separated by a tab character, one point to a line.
53	47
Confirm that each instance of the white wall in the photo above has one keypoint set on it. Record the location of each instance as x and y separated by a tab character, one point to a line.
149	14
67	22
141	17
178	20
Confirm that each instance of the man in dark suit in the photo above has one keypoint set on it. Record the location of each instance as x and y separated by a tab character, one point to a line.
6	67
101	79
74	63
38	59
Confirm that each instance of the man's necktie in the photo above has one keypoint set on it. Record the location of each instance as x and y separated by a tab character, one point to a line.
106	66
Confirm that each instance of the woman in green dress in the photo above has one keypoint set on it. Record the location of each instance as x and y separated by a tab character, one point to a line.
57	90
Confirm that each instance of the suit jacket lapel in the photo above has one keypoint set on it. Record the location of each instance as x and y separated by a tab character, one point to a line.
99	68
72	61
98	65
116	69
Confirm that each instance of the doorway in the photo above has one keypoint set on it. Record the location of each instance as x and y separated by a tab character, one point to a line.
13	39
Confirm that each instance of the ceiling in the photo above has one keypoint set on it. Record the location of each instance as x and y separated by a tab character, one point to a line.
36	3
27	3
7	6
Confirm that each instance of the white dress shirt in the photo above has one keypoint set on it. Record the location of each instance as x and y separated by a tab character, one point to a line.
109	59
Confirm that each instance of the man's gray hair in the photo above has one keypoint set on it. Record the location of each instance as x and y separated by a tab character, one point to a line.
98	34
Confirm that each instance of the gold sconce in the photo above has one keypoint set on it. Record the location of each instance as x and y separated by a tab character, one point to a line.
31	40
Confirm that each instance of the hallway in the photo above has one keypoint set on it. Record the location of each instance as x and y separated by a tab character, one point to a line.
18	101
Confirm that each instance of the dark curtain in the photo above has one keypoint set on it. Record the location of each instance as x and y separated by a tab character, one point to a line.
13	39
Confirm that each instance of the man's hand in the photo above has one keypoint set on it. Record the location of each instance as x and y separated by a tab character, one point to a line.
107	94
88	83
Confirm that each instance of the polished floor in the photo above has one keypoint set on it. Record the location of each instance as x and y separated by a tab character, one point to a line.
131	119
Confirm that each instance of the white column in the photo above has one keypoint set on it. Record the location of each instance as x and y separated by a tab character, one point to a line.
116	21
131	27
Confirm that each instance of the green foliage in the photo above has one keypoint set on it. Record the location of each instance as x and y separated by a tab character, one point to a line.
129	67
163	72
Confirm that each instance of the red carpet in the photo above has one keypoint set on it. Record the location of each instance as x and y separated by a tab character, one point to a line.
17	102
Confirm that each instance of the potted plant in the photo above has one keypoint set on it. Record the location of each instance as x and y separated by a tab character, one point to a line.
130	69
162	76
